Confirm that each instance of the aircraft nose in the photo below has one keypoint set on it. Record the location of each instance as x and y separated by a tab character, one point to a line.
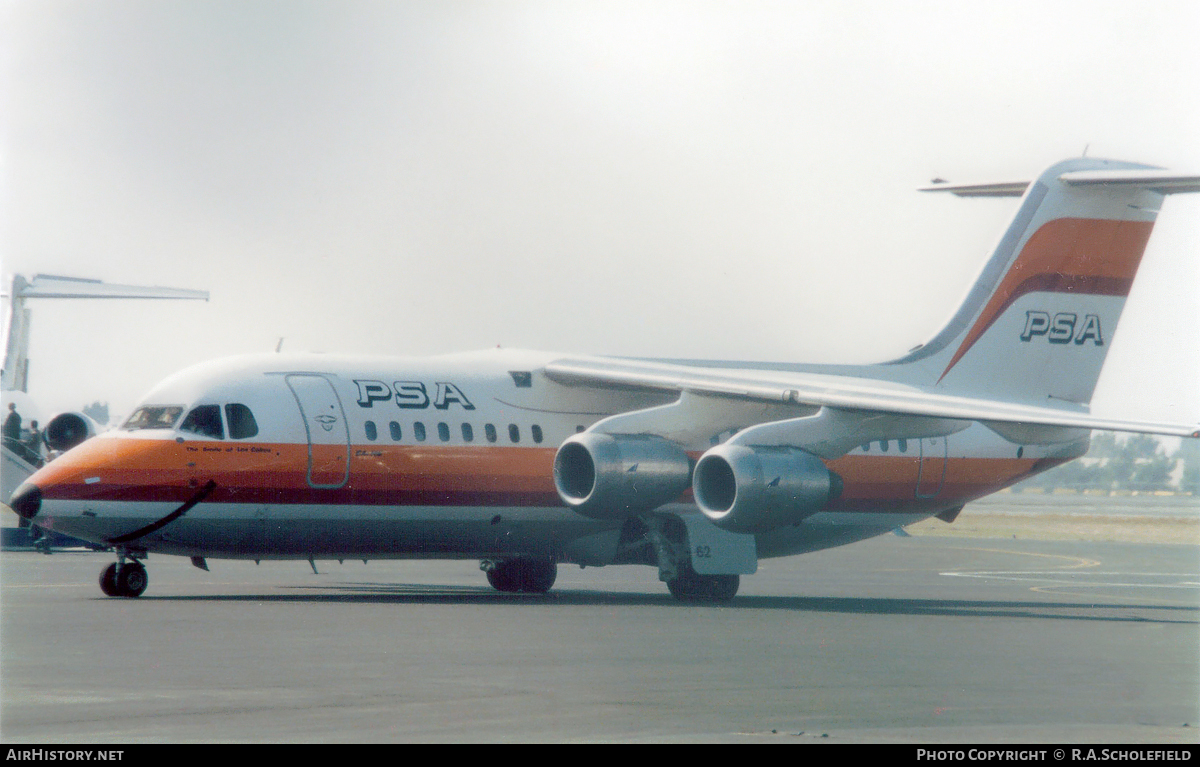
27	500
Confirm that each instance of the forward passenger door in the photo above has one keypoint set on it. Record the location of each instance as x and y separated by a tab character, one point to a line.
326	429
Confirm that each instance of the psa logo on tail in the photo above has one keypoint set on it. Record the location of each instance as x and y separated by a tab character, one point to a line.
1064	328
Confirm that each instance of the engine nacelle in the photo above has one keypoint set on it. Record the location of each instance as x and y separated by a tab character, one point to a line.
753	489
66	430
609	476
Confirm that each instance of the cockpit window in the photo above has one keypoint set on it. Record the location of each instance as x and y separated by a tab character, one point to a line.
241	421
153	417
204	420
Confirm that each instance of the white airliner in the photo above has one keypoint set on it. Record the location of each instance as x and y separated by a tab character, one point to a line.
65	430
528	459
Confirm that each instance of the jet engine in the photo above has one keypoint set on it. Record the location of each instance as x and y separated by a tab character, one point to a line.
66	430
608	476
753	489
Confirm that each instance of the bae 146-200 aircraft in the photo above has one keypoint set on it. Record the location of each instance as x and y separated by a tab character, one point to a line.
525	460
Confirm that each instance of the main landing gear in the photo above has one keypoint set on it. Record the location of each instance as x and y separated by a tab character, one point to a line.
668	538
690	586
124	579
527	575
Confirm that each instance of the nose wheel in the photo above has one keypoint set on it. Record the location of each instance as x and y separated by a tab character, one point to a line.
525	575
124	579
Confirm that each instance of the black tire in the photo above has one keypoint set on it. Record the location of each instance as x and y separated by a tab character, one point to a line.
690	586
536	576
132	580
108	581
526	575
500	577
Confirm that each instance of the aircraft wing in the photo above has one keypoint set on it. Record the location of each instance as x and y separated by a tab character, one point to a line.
841	392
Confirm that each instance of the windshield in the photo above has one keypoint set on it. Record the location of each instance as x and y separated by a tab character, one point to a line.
153	417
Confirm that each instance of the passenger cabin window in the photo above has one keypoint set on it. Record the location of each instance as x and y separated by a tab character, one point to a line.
372	432
241	421
419	431
514	434
204	420
537	433
444	432
153	417
394	428
468	433
489	431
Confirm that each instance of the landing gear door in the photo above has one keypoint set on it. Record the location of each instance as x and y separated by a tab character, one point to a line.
325	425
718	552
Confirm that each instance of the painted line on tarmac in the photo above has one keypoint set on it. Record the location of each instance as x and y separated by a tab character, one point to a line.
1060	578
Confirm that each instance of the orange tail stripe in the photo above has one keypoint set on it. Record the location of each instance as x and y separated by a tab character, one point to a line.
1068	255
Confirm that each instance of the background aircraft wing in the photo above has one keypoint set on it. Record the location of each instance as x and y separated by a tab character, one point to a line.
51	286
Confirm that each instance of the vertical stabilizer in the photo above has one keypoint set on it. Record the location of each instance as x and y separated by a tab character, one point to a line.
16	350
1039	320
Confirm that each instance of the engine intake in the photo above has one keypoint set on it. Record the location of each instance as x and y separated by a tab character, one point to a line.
753	489
66	430
608	476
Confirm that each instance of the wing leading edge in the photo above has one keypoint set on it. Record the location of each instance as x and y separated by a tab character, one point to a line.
842	392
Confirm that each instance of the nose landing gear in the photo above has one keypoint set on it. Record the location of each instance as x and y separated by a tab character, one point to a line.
522	575
124	579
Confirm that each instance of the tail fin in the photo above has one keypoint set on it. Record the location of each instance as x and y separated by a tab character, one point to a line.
15	375
1039	320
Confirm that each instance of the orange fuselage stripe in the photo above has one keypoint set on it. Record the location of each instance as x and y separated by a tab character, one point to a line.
138	469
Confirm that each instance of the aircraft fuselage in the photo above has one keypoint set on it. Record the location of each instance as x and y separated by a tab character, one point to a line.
437	457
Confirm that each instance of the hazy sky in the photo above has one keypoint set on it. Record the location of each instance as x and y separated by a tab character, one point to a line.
730	180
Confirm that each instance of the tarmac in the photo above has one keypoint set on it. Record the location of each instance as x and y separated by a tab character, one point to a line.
927	638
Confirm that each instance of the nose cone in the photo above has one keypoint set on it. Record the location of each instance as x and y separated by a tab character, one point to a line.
27	501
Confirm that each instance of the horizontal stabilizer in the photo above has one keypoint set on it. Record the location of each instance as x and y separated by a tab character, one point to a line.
1161	181
15	375
50	286
999	189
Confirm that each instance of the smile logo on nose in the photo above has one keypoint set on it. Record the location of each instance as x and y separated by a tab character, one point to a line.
326	421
